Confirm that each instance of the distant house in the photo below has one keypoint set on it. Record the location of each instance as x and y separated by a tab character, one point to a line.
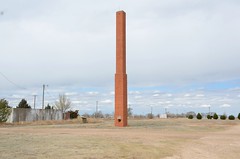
163	116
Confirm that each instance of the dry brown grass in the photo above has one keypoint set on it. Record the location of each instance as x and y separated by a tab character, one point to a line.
52	122
166	138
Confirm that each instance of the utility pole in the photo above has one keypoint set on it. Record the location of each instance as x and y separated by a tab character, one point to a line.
96	109
43	96
34	101
129	110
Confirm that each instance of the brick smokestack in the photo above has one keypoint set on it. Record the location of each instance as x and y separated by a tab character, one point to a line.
121	76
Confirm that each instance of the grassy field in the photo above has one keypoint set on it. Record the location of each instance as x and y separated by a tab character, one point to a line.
159	138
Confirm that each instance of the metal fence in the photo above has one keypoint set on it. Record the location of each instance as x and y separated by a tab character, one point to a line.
28	115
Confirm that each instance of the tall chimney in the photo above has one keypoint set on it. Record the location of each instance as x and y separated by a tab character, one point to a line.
121	76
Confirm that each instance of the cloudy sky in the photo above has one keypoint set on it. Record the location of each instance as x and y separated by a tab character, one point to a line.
182	55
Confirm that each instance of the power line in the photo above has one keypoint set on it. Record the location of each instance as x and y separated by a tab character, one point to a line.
49	94
13	83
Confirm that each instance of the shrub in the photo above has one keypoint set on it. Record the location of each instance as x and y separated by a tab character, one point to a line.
215	116
209	116
150	116
191	113
4	110
239	116
231	117
98	114
223	117
199	116
190	117
73	114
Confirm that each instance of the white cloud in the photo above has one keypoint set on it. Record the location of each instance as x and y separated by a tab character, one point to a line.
134	92
200	95
225	106
187	95
206	105
138	97
93	93
80	102
107	101
237	89
169	95
155	95
71	93
18	96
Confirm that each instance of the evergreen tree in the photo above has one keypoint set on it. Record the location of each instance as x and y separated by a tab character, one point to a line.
199	116
215	116
48	107
4	110
23	104
231	117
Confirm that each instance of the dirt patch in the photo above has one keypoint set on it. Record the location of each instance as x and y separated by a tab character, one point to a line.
224	144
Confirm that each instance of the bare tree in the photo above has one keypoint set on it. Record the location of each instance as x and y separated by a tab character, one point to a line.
63	103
